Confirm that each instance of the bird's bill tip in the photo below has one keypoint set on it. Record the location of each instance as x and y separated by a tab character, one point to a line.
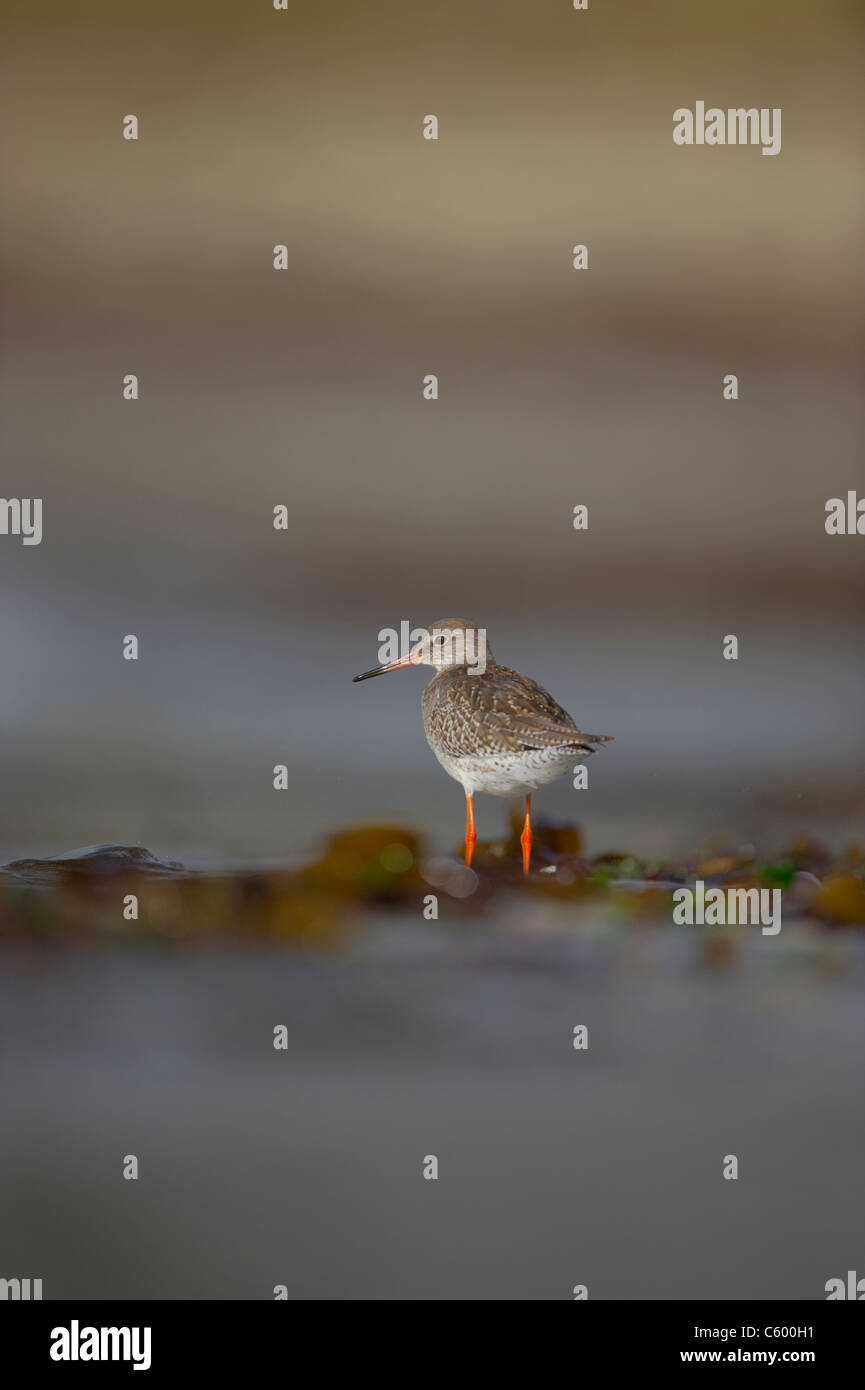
383	670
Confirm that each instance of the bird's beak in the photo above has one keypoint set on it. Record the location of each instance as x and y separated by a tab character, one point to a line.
410	660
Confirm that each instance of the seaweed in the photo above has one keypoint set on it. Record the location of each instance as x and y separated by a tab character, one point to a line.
123	893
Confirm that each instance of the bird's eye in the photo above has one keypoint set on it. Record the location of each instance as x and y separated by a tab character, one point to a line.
440	640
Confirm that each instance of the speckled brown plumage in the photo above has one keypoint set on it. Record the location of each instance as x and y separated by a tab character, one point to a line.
500	711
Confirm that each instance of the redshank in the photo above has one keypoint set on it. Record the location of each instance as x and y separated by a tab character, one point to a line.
491	728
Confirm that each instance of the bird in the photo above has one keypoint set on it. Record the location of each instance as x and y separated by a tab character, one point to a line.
492	729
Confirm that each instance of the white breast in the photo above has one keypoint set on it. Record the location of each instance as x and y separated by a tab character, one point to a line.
510	774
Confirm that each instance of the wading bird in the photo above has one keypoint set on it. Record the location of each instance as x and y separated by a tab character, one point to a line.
493	729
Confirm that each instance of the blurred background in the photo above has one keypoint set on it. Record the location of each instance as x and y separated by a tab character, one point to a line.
409	257
304	387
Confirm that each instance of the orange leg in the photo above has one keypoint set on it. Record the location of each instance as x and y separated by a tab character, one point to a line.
526	837
470	830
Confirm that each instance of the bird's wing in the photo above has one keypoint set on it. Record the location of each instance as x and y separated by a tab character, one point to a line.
504	712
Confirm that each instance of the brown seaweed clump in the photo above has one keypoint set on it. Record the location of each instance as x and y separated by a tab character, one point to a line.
125	893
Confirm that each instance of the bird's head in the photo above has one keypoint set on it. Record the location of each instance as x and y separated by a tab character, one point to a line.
446	642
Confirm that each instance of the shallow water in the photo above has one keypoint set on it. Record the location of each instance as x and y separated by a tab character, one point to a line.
404	1038
179	754
304	1167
